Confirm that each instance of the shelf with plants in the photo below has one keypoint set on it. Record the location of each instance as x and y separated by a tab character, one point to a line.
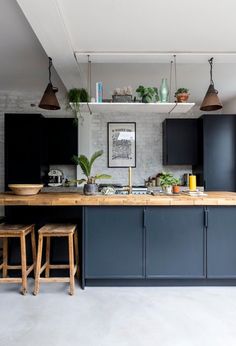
155	107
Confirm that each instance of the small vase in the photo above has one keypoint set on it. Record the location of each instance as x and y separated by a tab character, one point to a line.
168	190
164	91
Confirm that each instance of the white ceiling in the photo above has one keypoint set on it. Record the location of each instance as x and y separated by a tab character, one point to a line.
23	62
68	27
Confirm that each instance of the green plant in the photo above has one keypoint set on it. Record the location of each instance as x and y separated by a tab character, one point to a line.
148	94
167	179
86	166
181	91
76	95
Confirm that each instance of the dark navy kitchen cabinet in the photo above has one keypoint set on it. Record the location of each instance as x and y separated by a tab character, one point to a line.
217	142
180	142
221	242
25	149
62	140
114	242
175	242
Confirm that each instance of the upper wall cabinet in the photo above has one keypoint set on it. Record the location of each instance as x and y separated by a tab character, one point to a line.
25	149
62	140
180	142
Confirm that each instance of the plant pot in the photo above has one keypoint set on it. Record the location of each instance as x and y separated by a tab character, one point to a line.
167	189
183	97
90	189
176	189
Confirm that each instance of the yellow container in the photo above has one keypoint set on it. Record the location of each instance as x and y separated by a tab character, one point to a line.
192	183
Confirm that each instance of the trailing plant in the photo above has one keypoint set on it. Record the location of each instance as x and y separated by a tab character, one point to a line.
148	94
86	166
74	97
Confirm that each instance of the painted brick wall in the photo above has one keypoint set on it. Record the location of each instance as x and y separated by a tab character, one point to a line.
149	145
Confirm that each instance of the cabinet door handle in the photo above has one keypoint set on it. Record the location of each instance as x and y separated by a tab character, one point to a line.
206	218
144	218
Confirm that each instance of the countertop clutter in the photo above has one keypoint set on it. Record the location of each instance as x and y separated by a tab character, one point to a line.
72	199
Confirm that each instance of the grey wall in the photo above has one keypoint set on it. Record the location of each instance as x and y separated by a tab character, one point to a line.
149	144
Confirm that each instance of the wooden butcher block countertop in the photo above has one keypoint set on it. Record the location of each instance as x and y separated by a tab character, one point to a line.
73	199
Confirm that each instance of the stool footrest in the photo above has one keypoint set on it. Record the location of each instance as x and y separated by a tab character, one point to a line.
55	279
10	280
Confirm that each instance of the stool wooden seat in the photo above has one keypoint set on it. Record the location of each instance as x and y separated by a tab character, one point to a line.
20	231
57	230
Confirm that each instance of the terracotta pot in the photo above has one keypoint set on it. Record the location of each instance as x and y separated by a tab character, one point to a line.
183	97
176	189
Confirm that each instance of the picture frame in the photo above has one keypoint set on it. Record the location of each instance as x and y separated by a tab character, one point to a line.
121	144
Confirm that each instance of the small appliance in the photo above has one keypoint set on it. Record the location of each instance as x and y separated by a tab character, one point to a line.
55	177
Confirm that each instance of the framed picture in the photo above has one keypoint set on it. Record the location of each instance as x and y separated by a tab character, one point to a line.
121	144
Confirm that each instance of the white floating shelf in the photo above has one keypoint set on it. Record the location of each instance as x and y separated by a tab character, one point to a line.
158	107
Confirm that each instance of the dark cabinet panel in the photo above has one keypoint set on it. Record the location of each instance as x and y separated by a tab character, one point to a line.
221	242
216	169
62	140
175	238
114	242
25	154
219	152
180	142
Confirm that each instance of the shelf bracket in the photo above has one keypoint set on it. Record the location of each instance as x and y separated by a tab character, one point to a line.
176	104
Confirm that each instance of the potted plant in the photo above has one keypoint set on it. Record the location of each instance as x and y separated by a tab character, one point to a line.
75	96
175	187
90	188
167	180
182	95
148	94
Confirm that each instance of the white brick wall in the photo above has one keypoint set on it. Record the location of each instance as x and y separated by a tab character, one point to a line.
149	145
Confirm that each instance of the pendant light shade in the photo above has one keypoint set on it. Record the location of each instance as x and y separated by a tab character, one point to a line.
49	100
211	100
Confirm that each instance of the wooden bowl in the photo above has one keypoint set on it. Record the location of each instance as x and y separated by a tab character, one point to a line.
25	189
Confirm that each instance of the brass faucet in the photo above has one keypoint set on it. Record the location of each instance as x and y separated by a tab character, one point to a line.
129	180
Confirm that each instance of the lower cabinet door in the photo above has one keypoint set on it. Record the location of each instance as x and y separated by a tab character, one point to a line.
221	242
114	242
175	242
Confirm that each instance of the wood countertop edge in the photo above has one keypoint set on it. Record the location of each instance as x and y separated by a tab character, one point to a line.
74	199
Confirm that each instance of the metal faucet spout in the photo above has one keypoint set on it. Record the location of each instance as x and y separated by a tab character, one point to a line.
129	180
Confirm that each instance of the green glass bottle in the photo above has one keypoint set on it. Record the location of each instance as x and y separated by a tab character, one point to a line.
164	91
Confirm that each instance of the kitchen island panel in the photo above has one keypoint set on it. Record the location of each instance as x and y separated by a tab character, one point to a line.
114	242
221	242
175	242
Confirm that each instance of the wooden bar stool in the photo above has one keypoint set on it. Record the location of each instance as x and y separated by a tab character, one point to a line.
57	230
17	231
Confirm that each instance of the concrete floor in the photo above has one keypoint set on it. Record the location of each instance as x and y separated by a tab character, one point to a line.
160	316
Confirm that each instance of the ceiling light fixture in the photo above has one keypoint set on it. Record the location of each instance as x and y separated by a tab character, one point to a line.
211	100
49	100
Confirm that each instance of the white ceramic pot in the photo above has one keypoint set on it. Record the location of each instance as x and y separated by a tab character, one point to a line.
168	190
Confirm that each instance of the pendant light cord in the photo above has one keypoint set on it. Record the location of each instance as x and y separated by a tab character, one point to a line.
49	69
171	67
175	66
211	65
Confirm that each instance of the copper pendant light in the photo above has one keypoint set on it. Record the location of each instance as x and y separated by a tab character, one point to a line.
49	100
211	100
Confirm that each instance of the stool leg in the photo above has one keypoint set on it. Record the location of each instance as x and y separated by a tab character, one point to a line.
5	257
76	246
38	264
47	271
33	245
71	264
23	264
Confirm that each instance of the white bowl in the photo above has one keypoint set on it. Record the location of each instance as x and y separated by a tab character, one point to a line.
25	189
